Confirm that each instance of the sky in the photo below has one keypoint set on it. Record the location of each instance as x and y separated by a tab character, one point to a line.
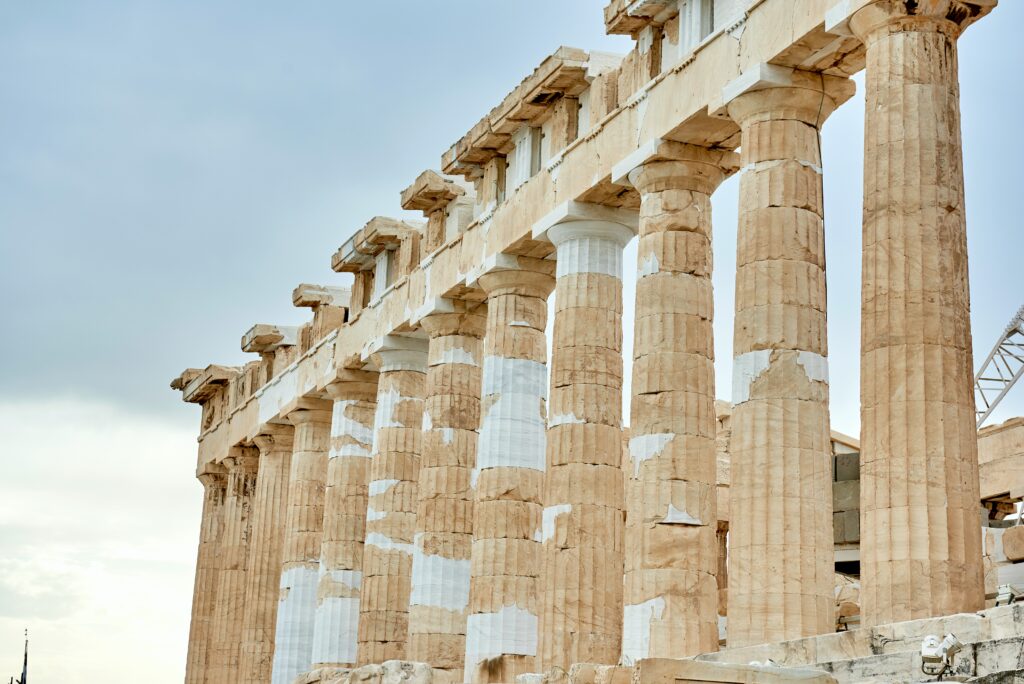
170	170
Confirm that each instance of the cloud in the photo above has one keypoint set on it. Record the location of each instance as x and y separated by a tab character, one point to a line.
99	518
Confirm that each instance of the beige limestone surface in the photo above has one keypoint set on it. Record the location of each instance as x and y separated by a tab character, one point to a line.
920	541
335	634
263	576
391	509
672	545
781	558
444	514
233	552
204	593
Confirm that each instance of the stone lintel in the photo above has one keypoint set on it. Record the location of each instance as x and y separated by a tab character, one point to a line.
389	343
314	296
561	74
659	149
265	337
204	385
379	233
429	192
629	17
184	378
210	468
507	262
585	211
764	76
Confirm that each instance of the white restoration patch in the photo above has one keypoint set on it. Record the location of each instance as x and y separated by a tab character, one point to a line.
678	517
343	426
589	255
645	447
458	355
815	365
746	368
564	419
548	518
510	631
512	431
438	581
636	628
381	542
336	630
649	266
296	615
380	486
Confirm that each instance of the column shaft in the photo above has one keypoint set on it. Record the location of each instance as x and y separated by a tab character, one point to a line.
204	593
263	579
780	544
671	593
296	611
336	630
444	517
233	551
920	536
583	519
391	511
501	628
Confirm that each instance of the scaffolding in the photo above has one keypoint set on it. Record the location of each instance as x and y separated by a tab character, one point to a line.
1003	367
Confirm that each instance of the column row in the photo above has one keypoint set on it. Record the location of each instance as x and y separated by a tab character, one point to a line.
439	510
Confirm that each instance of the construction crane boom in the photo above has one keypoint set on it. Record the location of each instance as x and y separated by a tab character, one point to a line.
1003	367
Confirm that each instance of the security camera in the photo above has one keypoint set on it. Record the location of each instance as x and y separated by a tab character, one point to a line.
936	655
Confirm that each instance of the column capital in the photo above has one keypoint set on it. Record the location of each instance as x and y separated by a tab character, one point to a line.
767	92
310	411
274	437
240	458
397	353
595	215
865	19
354	385
663	164
501	274
212	475
461	318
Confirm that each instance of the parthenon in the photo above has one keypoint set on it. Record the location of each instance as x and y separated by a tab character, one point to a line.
410	486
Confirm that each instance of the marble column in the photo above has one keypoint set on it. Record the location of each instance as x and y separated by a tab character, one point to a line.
233	551
780	543
335	634
920	536
671	592
391	511
583	519
204	593
444	515
263	579
303	532
501	628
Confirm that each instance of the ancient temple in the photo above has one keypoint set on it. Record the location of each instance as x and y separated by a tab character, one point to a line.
409	486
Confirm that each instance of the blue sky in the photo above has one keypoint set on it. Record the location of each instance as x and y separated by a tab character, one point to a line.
169	171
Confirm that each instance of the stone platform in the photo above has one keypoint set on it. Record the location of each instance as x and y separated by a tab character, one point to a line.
993	653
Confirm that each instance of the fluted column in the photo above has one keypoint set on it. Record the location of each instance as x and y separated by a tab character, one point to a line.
391	512
920	536
300	560
263	579
335	634
671	593
501	628
204	593
233	551
780	545
444	516
583	519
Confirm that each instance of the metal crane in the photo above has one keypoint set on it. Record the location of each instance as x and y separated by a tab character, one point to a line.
1003	367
